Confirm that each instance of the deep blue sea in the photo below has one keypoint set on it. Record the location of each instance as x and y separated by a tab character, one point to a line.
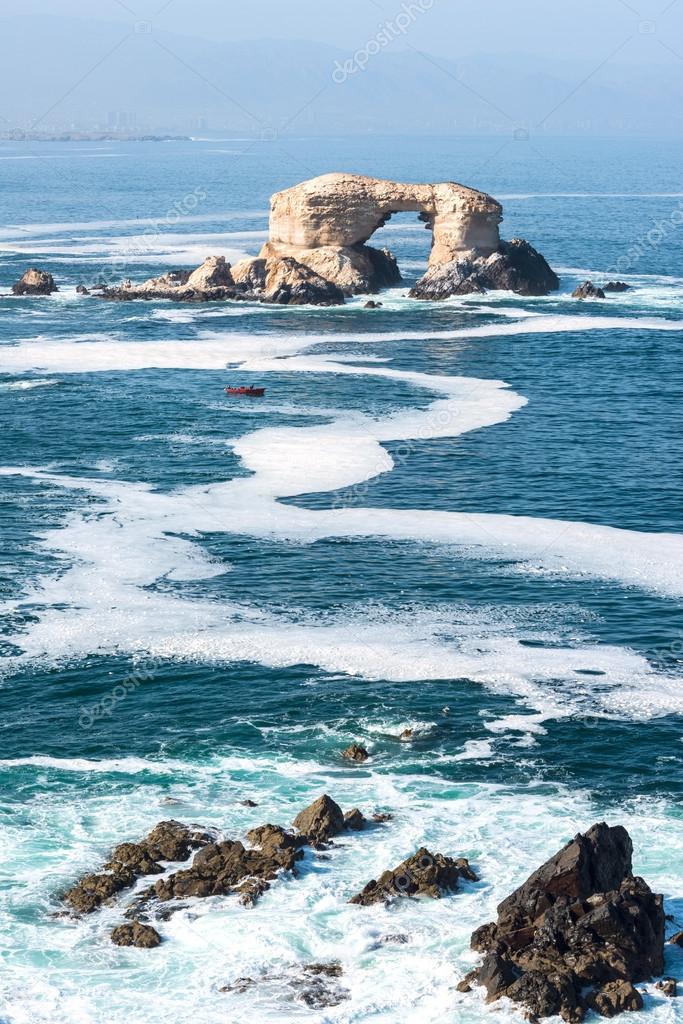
460	518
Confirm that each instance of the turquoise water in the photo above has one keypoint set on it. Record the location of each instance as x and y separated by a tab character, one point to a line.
463	518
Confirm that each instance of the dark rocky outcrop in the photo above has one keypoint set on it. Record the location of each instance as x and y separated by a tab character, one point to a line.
372	305
614	998
168	841
423	874
581	921
225	867
136	934
82	290
668	986
290	283
587	290
281	282
35	282
616	286
321	821
515	266
677	939
355	752
354	820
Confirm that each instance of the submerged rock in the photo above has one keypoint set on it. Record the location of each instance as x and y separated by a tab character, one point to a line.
616	286
581	920
588	290
136	934
356	753
35	282
423	874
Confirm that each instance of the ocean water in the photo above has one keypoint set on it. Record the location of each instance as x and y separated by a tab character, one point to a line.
462	518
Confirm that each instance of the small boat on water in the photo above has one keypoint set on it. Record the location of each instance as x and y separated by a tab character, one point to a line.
250	392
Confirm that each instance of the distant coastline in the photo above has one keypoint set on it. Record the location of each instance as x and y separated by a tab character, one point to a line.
18	135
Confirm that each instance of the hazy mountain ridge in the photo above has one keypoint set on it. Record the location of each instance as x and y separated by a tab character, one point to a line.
83	71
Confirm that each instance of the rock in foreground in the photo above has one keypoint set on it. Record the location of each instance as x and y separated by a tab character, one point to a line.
423	874
35	282
169	841
582	920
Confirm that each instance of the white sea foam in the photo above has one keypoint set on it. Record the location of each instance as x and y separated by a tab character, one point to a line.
139	536
211	943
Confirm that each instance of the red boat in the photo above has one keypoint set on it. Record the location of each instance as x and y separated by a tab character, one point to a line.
248	391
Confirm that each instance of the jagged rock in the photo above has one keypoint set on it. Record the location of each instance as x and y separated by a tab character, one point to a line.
425	873
213	273
82	290
290	283
406	736
382	816
677	939
588	290
356	753
581	919
251	274
668	986
248	803
133	857
220	868
169	840
212	281
465	984
321	821
35	282
614	998
354	269
372	305
136	934
95	889
354	820
616	286
515	266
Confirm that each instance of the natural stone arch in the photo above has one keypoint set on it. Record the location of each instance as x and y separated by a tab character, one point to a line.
345	210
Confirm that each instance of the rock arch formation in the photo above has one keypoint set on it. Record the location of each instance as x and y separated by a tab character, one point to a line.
345	210
323	226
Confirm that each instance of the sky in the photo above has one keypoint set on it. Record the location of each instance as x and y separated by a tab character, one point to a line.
582	28
350	66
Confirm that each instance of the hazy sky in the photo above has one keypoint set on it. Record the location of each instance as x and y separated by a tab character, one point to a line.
582	28
484	66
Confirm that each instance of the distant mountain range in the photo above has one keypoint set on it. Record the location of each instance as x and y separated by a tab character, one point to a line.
59	72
